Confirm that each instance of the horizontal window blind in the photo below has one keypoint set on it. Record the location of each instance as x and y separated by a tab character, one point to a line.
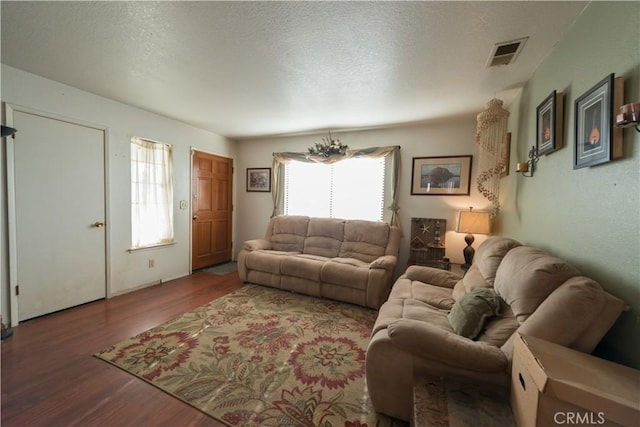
349	189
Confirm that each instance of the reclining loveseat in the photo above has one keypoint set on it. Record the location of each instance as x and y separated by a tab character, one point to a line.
438	324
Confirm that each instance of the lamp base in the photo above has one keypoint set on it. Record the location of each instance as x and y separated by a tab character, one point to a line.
468	252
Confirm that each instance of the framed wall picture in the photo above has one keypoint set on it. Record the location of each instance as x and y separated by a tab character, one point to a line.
441	176
259	179
596	139
549	123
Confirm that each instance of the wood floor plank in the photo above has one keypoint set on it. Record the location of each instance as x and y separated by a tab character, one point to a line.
50	377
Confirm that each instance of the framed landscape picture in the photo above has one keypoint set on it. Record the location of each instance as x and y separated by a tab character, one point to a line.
441	176
549	129
259	179
596	139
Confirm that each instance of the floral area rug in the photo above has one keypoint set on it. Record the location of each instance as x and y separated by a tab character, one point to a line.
261	357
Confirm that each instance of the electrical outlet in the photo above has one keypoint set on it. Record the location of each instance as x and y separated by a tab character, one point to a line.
152	263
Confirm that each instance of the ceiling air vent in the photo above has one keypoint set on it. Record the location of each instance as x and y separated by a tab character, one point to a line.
506	53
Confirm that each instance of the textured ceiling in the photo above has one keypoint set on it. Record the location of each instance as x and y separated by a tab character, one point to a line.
246	69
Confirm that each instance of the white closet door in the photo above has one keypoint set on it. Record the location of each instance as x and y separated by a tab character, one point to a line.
60	214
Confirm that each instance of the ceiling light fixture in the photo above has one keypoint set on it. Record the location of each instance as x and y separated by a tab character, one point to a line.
329	147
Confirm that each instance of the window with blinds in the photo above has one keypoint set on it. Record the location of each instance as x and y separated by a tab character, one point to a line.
349	189
151	193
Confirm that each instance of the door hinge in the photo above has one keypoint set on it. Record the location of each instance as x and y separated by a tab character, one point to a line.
17	289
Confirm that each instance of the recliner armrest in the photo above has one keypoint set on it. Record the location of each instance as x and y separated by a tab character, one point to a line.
425	340
256	244
387	262
432	276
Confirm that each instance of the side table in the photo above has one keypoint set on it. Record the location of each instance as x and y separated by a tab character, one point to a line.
450	402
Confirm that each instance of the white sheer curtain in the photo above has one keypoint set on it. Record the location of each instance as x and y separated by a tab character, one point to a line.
151	193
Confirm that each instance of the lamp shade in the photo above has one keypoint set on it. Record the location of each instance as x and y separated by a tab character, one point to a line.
474	222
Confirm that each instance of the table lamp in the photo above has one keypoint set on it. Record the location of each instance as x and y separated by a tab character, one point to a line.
472	222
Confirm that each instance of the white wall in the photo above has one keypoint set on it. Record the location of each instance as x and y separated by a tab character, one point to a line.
127	270
445	138
589	216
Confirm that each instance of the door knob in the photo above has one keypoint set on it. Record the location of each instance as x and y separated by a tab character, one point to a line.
98	224
195	217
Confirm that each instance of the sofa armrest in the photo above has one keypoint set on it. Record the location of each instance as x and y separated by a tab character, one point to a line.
425	340
387	262
432	276
257	244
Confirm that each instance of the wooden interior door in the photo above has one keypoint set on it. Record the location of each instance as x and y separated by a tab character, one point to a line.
211	210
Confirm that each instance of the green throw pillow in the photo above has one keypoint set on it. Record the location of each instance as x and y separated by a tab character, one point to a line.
470	313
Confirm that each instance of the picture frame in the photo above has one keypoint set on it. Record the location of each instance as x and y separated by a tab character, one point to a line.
597	141
441	176
549	123
259	180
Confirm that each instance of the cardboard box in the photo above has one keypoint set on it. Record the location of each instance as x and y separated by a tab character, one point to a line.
555	385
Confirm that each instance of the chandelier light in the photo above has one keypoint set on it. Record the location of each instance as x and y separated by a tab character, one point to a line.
329	147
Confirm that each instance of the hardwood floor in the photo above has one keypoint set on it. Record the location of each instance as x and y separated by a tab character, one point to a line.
49	377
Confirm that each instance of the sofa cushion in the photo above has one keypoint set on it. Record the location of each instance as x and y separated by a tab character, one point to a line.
470	313
348	272
364	240
287	233
426	340
436	296
472	280
324	237
527	276
303	266
432	276
498	330
482	273
570	315
267	261
395	309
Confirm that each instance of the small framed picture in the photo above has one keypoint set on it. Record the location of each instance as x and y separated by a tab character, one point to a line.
549	121
596	139
441	176
259	179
